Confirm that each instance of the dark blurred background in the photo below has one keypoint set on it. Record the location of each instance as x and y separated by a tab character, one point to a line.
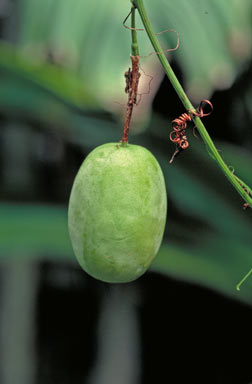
62	86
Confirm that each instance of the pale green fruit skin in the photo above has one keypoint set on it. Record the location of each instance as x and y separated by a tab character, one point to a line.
117	212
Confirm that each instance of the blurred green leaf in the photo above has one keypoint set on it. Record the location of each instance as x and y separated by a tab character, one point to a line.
88	36
215	40
53	97
28	230
60	82
78	52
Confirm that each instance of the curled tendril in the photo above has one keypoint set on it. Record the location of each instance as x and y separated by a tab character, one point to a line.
178	135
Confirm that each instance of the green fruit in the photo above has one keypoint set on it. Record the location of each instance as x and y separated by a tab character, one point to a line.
117	212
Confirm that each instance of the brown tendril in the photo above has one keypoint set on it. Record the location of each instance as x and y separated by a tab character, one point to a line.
126	18
158	33
165	50
178	134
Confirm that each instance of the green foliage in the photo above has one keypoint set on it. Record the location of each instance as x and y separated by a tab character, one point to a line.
215	40
211	51
37	231
62	83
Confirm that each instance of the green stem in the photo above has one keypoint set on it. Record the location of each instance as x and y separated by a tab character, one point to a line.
237	183
238	286
134	44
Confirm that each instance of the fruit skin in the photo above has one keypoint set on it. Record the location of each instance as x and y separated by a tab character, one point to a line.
117	212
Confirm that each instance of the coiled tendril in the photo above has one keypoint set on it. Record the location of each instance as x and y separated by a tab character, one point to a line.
178	134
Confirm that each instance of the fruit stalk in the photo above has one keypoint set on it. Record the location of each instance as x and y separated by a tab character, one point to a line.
132	79
238	184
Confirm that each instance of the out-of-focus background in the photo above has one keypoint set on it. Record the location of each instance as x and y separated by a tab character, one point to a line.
62	67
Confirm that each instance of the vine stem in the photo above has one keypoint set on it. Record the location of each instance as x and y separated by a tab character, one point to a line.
238	286
134	42
238	184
